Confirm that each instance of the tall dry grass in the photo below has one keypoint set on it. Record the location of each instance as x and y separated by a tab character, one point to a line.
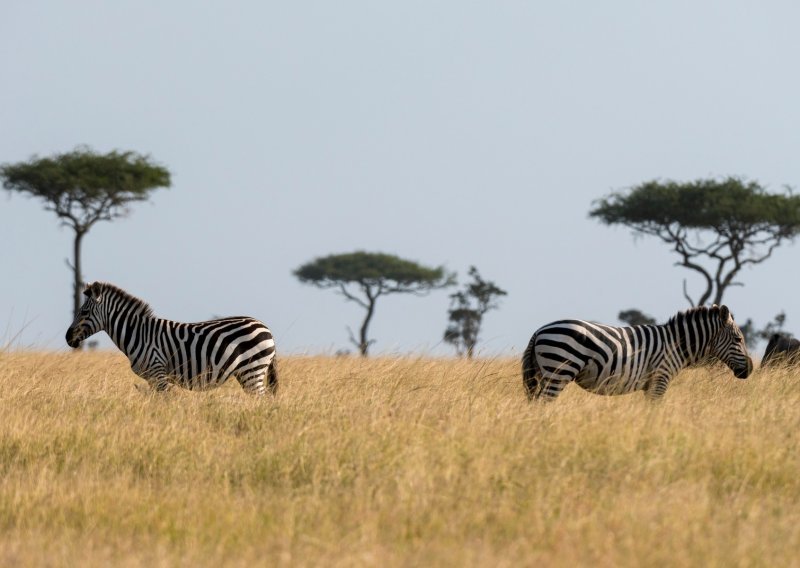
393	462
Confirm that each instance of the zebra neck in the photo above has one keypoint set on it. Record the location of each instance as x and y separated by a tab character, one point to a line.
130	331
692	337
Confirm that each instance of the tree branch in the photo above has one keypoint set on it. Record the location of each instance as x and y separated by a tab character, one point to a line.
686	295
697	268
352	337
343	291
765	256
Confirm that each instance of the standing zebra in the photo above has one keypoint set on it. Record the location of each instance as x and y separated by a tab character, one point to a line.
192	355
617	360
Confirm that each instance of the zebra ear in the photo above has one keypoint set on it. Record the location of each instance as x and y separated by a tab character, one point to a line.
95	291
724	313
87	290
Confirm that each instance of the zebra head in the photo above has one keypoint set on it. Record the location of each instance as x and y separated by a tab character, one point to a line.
728	344
90	318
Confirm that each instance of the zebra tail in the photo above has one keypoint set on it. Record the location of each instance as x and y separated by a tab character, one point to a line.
272	375
530	369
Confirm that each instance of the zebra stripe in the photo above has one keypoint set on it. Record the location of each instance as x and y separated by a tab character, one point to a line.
611	360
198	356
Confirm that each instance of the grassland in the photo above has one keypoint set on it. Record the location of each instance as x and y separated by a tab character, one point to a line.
393	462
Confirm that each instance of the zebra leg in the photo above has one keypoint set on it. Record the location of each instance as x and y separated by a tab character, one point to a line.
155	374
552	385
158	379
253	382
531	373
159	383
657	386
531	384
272	376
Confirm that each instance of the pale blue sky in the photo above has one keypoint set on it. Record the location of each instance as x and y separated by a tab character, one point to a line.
449	132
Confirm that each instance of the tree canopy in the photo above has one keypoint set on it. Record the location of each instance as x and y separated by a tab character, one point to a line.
752	334
467	308
362	277
634	316
716	226
83	187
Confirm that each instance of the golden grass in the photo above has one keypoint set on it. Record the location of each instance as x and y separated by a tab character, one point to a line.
393	462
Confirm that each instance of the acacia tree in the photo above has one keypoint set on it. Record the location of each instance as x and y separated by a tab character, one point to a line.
716	226
82	187
363	277
467	308
633	316
753	335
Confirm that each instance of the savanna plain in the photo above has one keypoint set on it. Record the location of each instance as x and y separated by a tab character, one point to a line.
393	462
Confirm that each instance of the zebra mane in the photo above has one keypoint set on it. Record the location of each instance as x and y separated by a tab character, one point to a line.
141	307
689	314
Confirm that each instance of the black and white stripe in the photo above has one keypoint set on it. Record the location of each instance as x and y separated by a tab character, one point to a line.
199	355
615	360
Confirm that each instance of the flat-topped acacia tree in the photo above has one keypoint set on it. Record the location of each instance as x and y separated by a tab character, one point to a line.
83	187
716	226
363	277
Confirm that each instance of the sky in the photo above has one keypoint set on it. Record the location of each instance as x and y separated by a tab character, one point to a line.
450	133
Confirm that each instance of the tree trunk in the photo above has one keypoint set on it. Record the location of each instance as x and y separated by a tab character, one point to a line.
77	288
363	342
718	297
705	295
471	331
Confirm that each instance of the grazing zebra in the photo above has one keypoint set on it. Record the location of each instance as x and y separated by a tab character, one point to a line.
780	349
192	355
617	360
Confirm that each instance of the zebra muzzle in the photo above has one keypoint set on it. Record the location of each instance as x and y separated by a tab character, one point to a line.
72	340
744	372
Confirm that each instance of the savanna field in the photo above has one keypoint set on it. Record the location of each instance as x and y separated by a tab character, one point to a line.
393	462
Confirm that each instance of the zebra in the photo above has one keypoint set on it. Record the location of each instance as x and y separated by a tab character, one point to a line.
781	348
611	360
195	356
